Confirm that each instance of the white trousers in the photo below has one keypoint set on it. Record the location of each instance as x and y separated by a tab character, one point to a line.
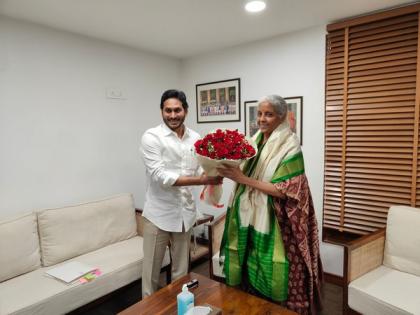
155	241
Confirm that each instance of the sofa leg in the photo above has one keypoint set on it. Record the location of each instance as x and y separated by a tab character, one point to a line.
346	308
349	311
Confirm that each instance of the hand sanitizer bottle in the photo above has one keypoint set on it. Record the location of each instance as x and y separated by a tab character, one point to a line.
185	300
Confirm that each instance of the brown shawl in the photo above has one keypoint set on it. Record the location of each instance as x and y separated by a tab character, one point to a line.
296	216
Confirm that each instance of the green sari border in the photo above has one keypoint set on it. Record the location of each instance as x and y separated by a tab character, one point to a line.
289	168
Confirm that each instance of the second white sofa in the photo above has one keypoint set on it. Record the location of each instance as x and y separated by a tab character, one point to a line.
384	268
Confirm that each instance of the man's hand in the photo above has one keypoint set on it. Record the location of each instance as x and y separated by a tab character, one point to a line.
198	180
211	180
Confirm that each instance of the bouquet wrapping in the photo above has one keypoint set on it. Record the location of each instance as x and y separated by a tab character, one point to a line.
217	149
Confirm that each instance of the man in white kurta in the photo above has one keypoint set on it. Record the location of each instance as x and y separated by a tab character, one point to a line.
169	209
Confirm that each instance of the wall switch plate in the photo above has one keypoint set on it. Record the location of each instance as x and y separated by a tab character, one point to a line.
115	93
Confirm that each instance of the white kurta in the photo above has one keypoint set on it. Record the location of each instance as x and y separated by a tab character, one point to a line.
166	157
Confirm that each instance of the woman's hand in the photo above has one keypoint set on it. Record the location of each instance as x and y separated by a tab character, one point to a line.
232	172
235	174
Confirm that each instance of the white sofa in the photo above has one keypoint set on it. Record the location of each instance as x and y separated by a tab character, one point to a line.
384	268
103	234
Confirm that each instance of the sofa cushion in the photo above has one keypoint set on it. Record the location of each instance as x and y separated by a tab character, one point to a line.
35	293
402	244
385	291
71	231
19	246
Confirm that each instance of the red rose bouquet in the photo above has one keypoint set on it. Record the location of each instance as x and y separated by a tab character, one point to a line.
225	145
216	149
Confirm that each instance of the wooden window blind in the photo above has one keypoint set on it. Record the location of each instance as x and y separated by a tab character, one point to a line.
371	119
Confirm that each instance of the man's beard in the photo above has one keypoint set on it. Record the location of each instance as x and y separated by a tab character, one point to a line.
174	124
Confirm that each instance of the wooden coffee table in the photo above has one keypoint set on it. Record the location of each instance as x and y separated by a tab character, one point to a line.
230	300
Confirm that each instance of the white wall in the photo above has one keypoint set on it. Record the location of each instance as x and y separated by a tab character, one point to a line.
61	140
291	65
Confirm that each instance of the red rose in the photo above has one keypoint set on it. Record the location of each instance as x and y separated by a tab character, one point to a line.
224	144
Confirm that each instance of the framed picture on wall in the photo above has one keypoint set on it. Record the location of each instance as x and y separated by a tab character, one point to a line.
294	117
219	101
251	108
295	106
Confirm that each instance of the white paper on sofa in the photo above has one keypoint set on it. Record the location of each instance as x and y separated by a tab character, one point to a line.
70	271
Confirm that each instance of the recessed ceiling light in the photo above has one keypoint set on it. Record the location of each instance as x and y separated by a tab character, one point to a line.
255	6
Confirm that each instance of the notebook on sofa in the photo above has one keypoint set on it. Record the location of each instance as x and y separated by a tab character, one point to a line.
70	271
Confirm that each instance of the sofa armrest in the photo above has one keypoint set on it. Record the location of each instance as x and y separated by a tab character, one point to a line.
215	232
204	219
363	255
139	220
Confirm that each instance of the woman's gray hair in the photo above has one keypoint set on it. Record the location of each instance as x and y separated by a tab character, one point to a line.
278	103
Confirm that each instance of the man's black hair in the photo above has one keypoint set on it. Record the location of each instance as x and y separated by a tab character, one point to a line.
179	95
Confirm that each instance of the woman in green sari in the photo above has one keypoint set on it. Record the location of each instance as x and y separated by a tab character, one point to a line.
270	242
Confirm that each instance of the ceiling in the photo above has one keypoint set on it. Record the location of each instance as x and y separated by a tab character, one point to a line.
185	28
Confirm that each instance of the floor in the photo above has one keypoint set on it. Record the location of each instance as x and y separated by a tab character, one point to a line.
132	293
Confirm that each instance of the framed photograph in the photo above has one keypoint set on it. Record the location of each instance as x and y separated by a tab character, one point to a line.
295	106
219	101
294	116
251	108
